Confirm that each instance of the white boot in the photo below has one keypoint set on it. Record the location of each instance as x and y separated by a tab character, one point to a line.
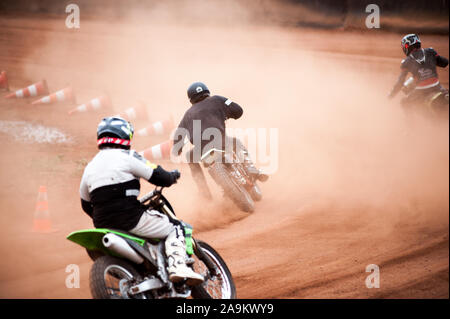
176	258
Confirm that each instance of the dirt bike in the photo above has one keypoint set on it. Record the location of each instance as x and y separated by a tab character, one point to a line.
129	267
230	174
436	103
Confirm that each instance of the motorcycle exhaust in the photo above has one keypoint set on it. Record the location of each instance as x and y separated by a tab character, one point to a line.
120	246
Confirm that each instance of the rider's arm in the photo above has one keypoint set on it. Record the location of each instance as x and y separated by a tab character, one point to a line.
401	79
155	174
440	60
232	109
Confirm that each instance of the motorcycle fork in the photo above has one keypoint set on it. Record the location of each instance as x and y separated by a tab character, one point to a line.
160	262
240	174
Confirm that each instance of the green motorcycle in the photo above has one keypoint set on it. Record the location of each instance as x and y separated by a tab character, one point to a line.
126	266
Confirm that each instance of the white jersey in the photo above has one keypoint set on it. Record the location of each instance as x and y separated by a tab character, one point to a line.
114	166
110	184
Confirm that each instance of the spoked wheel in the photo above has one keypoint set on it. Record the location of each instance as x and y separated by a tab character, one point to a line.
236	192
219	286
111	277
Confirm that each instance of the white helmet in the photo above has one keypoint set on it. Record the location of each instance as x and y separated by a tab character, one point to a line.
409	42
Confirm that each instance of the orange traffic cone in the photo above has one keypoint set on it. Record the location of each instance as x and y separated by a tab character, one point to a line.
64	95
157	128
158	152
133	113
94	104
39	88
42	222
4	81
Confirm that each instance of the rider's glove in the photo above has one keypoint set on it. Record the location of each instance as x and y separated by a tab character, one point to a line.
175	175
161	177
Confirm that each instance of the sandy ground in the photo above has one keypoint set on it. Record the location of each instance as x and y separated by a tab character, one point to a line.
356	182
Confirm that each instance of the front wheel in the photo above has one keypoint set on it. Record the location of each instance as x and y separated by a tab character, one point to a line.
111	277
220	286
236	192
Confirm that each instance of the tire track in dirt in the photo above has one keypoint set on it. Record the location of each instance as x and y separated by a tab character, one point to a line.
400	263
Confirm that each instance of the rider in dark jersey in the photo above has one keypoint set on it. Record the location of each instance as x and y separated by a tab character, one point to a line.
421	63
210	112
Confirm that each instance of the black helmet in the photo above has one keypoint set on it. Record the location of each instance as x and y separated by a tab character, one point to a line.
114	131
197	91
410	42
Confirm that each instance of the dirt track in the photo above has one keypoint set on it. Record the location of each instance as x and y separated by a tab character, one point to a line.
356	184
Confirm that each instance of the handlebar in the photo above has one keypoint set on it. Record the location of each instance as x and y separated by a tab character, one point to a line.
151	194
177	174
158	191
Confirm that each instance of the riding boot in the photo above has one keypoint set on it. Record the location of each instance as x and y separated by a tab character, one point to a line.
176	258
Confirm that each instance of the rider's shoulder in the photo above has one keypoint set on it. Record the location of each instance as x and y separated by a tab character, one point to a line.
127	152
404	62
141	158
133	153
218	98
431	50
223	100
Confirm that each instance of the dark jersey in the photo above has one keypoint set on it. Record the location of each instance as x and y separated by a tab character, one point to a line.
421	64
200	118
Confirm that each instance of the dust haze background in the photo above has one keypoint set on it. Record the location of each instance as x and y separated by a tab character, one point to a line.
343	147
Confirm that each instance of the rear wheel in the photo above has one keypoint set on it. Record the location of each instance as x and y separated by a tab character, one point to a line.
220	286
111	277
236	192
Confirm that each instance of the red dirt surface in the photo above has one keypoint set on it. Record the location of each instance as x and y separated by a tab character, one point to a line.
357	183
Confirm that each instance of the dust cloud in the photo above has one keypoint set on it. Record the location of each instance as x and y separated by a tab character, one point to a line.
346	154
340	139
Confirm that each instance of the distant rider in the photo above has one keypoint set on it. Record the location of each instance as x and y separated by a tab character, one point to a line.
421	63
110	187
211	112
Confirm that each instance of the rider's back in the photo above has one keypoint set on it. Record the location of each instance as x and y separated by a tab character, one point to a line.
111	180
212	112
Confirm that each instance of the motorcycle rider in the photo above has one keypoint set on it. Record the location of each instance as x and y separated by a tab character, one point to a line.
421	63
110	187
212	112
